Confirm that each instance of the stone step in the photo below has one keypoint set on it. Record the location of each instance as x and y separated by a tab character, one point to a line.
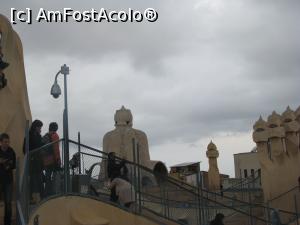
81	217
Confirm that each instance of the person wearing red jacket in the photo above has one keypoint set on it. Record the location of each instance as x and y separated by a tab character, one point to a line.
51	157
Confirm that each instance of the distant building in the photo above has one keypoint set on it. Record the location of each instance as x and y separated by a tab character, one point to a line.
187	172
246	164
232	182
185	168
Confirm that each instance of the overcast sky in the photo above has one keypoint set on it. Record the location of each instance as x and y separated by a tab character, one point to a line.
206	69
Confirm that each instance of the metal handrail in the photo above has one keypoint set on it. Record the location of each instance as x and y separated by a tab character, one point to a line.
171	180
25	173
105	153
44	146
284	193
229	207
190	187
20	213
237	200
245	181
178	184
150	171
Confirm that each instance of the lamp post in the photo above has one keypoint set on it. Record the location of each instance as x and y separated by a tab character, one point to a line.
200	194
56	92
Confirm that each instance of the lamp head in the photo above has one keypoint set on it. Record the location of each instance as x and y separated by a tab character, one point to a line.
55	90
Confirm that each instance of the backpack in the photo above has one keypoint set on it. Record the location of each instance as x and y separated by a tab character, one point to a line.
48	152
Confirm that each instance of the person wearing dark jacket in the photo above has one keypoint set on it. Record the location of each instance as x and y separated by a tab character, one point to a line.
113	171
218	219
7	165
35	160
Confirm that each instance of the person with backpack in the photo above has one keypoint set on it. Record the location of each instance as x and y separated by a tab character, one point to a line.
51	157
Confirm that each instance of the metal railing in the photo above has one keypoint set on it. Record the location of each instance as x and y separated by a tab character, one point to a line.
156	198
250	207
293	196
169	192
252	182
29	185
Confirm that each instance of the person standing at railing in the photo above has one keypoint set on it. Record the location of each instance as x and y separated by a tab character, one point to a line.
35	161
51	157
7	165
113	171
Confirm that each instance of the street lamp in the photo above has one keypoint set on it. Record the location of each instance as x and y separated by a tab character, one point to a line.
200	194
56	92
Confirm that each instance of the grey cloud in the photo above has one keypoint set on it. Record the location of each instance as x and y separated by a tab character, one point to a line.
146	43
205	68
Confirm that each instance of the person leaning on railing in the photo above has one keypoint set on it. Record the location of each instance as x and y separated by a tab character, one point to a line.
7	165
114	167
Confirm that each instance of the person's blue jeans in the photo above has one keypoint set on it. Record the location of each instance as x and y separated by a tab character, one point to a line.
49	175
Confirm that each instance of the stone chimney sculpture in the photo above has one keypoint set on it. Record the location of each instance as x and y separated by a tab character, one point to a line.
275	136
291	127
260	136
120	139
277	143
213	171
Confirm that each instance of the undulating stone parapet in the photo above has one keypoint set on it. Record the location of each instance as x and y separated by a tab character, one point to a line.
14	103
